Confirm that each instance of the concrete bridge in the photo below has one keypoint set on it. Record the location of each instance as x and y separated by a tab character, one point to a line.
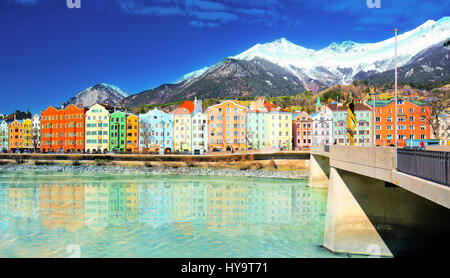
374	209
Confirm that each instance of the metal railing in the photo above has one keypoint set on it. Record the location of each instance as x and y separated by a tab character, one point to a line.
430	165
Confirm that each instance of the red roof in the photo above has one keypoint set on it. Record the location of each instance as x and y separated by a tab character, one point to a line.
272	107
185	108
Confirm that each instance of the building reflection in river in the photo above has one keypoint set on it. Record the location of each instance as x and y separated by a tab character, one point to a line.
62	205
220	206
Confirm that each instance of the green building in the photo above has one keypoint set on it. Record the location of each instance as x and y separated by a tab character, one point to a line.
118	132
363	130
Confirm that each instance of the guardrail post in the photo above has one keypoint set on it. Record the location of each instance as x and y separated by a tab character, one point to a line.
446	168
415	162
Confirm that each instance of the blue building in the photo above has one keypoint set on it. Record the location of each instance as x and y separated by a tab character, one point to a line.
156	132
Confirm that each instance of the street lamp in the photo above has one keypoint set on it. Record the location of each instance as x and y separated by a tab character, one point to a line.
373	94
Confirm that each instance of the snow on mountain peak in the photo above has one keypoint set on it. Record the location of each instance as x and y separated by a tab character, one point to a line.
343	46
115	88
340	62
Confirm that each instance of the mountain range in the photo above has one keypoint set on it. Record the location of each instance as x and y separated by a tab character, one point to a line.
284	68
100	93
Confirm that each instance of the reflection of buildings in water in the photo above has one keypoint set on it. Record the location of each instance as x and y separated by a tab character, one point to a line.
279	204
226	207
131	202
269	204
96	206
189	202
256	205
62	206
155	204
304	206
117	203
4	211
23	201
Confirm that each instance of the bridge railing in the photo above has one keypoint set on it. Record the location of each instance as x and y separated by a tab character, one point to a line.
430	165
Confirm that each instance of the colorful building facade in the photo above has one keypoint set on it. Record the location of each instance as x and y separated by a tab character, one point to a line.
256	124
132	134
302	131
322	126
199	133
156	132
97	129
36	132
411	122
63	130
182	126
27	134
15	136
279	127
363	129
227	126
117	131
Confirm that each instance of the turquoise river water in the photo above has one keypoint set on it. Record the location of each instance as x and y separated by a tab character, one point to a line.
109	215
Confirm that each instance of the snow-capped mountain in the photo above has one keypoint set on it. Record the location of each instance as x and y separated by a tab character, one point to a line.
340	62
100	93
284	68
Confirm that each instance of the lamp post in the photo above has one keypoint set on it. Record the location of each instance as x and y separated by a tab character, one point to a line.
395	61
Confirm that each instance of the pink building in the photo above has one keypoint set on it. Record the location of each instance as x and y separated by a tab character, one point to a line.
302	131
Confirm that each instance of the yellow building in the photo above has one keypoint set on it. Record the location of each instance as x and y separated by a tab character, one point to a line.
97	129
279	127
182	126
132	133
27	134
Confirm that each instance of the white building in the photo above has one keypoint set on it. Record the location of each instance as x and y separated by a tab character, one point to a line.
322	126
36	131
199	133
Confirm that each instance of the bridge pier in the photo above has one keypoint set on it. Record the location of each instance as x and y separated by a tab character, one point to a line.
319	171
373	217
347	227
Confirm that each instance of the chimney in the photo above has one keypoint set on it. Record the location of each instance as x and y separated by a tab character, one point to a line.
62	105
80	106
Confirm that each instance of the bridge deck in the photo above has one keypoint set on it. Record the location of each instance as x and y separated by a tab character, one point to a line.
379	163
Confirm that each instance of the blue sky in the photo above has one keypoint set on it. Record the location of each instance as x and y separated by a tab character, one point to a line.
49	52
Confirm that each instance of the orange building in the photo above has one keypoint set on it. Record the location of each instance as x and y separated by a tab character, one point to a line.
411	122
63	129
227	126
132	133
15	135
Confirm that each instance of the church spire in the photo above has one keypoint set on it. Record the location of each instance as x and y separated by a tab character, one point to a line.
318	104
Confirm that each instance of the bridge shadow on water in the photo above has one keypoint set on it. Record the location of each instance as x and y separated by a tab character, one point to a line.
410	225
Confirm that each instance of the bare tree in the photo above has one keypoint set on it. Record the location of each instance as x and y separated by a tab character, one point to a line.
433	117
144	135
